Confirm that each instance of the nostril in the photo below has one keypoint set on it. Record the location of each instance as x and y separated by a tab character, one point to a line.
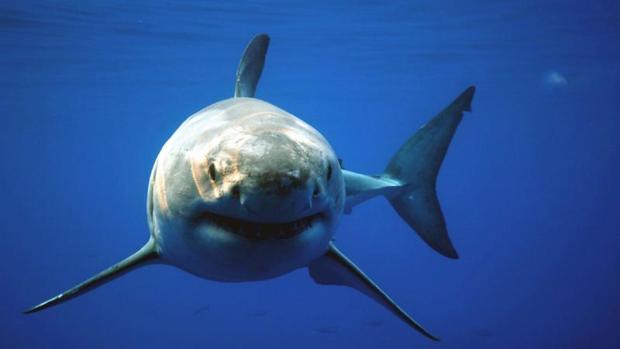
235	191
316	192
319	190
329	172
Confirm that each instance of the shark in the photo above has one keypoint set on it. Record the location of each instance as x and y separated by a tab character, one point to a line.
244	191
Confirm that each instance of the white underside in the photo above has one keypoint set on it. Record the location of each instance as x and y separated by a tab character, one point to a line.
210	252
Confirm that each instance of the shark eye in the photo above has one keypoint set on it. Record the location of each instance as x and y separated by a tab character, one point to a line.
212	172
329	171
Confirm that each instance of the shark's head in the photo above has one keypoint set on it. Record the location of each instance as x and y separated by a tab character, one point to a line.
267	181
250	192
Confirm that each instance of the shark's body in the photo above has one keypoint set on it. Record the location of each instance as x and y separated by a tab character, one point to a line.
244	190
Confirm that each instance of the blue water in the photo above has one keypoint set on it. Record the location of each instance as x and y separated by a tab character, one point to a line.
90	91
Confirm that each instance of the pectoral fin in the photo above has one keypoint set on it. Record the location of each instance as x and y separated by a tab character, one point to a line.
146	255
334	268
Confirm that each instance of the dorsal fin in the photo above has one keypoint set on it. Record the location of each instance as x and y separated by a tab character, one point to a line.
146	255
251	66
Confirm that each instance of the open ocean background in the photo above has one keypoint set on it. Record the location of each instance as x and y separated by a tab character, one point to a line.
90	91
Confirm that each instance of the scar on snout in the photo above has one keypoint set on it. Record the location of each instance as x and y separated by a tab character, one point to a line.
160	187
199	173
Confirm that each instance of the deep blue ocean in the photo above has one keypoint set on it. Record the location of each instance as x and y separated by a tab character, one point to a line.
91	90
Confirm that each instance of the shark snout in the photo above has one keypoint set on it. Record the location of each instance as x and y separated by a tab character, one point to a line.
281	199
273	175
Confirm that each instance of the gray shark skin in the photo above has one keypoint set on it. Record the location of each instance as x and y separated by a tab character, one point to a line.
244	191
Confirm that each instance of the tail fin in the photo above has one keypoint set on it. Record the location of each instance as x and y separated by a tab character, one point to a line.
417	163
147	254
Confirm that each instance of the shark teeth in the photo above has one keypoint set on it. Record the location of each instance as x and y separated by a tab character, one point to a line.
261	231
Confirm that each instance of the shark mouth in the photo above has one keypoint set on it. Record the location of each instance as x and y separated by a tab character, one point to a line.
262	231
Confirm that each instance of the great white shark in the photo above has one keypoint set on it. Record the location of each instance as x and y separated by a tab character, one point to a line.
244	190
